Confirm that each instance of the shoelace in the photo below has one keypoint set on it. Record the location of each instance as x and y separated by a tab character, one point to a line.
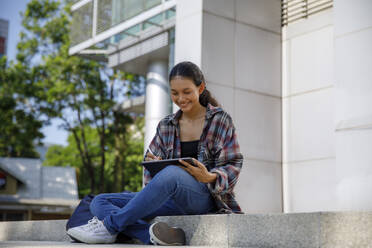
93	224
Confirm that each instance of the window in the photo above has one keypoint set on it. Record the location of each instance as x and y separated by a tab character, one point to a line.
12	216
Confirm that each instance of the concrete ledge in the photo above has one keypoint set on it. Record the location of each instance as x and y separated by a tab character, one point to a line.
321	229
207	230
274	230
47	244
346	229
33	231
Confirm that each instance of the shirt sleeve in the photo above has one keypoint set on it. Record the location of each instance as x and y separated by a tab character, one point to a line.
228	160
156	147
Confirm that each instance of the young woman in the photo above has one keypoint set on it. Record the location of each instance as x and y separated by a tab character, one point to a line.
200	129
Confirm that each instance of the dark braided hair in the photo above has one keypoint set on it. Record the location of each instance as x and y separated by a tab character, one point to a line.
191	71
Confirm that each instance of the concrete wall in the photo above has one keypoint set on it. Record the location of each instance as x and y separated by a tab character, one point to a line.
308	132
188	38
327	122
316	125
353	101
237	45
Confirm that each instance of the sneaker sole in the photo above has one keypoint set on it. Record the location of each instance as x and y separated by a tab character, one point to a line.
76	236
158	241
74	239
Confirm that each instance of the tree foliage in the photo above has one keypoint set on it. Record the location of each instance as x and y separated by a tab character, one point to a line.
131	173
82	93
19	123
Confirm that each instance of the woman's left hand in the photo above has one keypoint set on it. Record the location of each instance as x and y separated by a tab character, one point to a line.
199	171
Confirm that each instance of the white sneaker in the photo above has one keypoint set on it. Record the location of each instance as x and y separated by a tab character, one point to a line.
94	232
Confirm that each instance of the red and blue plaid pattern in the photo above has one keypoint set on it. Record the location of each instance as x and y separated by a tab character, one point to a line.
218	150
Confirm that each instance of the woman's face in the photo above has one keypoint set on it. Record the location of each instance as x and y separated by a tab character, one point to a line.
184	93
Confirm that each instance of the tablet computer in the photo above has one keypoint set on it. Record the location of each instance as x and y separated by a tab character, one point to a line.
154	166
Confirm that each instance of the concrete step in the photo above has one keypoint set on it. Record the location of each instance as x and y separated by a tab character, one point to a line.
58	244
320	229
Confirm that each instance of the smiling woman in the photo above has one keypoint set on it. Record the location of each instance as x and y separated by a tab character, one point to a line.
189	93
191	72
200	129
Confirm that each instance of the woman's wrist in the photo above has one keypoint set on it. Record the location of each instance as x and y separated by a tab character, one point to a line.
212	177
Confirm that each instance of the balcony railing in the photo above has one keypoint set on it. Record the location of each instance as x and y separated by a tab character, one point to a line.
95	21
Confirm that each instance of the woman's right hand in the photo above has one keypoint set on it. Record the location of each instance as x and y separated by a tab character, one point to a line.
150	157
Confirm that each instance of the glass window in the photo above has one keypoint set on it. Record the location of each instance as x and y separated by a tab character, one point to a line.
132	8
81	25
133	30
170	13
119	37
14	216
151	3
158	19
147	25
107	14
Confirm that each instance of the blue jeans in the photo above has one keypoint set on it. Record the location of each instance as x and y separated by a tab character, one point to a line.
173	191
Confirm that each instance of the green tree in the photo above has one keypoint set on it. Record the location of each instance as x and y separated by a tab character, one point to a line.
127	154
58	155
82	93
19	123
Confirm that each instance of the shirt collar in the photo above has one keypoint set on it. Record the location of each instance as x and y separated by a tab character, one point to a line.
211	110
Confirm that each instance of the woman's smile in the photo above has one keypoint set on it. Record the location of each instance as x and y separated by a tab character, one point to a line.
183	105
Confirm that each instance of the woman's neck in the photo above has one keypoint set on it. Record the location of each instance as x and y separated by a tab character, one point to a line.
195	114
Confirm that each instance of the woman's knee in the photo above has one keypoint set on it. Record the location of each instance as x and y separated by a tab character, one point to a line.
172	171
172	174
96	205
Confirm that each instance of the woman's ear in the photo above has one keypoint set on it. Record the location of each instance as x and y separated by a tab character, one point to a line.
201	87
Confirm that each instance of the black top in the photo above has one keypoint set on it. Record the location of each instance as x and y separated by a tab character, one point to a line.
189	149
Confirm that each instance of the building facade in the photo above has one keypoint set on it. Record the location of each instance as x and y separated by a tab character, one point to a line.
4	25
30	191
297	86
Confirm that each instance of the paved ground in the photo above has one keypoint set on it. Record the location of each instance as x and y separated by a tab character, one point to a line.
46	244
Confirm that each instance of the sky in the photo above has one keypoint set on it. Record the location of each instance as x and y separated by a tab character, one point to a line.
10	11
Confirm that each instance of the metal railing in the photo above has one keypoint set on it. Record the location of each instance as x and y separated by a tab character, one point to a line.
294	10
93	17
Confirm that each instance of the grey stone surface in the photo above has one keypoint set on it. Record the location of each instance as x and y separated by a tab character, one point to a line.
346	230
205	230
33	231
46	244
274	230
336	230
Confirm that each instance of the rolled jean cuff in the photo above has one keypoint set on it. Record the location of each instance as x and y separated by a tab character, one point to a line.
107	225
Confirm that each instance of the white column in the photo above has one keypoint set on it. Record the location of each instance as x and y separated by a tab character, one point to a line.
353	112
157	98
241	60
239	54
307	114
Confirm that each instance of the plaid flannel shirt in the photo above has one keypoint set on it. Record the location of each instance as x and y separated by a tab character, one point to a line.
218	150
